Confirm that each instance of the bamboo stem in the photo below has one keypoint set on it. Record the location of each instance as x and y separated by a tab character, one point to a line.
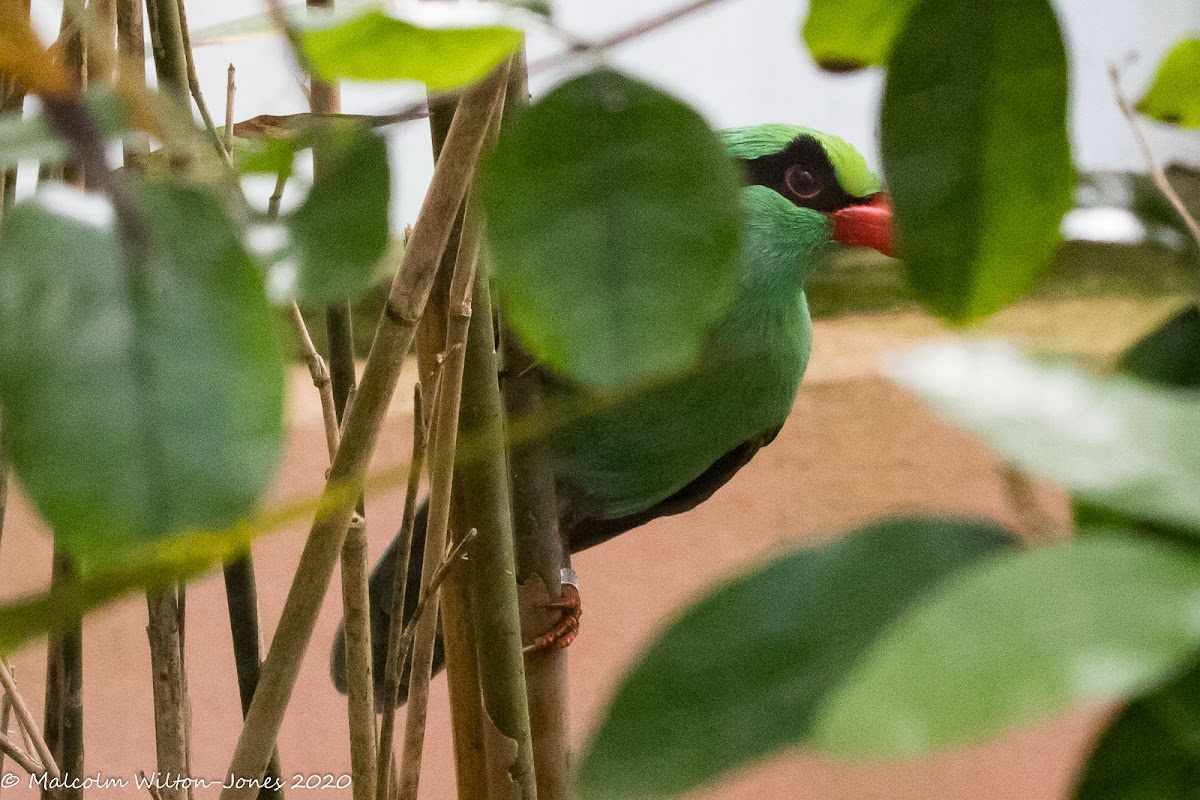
131	49
170	738
385	768
540	550
25	719
462	672
166	39
320	378
393	337
486	505
441	480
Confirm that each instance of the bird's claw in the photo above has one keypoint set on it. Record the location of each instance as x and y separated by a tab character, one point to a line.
567	628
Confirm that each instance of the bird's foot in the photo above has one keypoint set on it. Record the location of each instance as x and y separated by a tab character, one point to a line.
570	604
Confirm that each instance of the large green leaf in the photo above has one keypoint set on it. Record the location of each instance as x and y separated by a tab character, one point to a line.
1174	97
139	400
847	35
975	149
1113	442
1016	640
341	230
614	219
1152	750
372	46
746	670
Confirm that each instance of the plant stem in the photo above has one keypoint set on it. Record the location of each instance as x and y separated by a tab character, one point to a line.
170	736
102	21
441	481
485	505
9	748
540	550
385	759
1156	170
393	337
193	82
166	38
131	50
241	586
25	719
325	98
462	668
320	378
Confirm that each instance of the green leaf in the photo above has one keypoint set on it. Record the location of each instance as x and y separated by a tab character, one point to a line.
1170	355
371	46
1016	640
975	149
139	400
1174	97
1112	442
614	219
745	671
1152	750
848	35
341	230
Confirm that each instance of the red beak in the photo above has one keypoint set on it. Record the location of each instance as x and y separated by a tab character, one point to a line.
866	225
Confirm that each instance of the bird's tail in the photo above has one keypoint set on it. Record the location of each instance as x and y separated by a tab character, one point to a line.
381	585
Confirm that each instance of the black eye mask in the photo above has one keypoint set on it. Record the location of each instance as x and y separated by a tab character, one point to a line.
803	174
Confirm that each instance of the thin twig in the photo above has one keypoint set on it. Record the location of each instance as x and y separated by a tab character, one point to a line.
194	87
25	719
385	758
149	784
393	338
230	91
23	759
320	377
1156	170
5	714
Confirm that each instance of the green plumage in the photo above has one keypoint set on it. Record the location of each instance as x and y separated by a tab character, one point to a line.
667	447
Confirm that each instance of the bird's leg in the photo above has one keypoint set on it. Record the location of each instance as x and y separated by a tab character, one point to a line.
567	628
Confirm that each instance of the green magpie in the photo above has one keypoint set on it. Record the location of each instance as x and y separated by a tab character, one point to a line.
670	447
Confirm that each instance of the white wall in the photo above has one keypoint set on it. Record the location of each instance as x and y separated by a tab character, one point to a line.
740	63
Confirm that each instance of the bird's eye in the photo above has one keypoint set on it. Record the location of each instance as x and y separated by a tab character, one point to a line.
801	182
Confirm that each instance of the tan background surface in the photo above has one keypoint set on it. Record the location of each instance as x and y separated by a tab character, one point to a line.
856	448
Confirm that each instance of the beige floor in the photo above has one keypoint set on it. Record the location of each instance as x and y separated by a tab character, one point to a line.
856	448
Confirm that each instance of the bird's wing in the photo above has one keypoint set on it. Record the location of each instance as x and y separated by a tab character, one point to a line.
589	531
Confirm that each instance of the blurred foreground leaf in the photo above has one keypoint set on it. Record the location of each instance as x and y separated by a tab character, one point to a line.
975	149
372	46
1113	442
848	35
1174	97
1017	639
614	219
340	232
747	669
140	400
1152	750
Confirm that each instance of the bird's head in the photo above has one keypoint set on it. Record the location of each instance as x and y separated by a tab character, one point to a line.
819	172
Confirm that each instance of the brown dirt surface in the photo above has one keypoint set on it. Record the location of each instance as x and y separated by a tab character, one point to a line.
856	448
